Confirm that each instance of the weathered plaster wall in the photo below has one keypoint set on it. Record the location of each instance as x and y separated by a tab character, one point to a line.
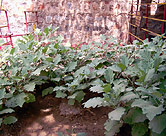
78	20
15	10
85	20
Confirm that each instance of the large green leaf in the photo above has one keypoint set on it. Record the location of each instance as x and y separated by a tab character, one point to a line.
107	88
17	100
139	129
109	75
140	103
38	70
9	120
2	93
158	123
112	127
30	87
97	89
100	71
161	134
59	88
129	96
71	66
149	75
94	102
97	82
49	59
71	101
6	111
124	60
152	111
117	113
122	66
115	68
30	98
47	91
157	63
134	116
80	96
60	94
163	85
119	86
147	108
57	59
5	82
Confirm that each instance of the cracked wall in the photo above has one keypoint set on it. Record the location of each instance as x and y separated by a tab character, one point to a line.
78	20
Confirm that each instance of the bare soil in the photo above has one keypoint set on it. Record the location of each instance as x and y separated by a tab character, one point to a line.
50	116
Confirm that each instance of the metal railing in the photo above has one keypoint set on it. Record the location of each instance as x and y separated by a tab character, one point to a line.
146	17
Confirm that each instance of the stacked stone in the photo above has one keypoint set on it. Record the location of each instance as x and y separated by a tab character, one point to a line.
84	20
78	20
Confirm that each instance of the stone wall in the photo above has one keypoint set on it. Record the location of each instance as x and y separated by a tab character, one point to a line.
78	20
85	20
81	20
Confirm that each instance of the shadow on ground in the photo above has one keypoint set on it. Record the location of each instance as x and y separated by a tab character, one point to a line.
50	116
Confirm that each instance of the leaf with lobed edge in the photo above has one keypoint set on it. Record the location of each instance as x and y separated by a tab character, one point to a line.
117	113
47	91
6	111
17	100
2	93
129	96
109	75
93	102
147	108
9	120
158	123
97	89
134	116
30	87
112	127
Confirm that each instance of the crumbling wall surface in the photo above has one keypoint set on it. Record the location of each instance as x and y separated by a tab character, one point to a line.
15	10
84	20
78	20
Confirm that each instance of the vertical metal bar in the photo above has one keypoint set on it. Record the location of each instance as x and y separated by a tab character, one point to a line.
26	21
146	25
7	19
163	25
10	37
136	15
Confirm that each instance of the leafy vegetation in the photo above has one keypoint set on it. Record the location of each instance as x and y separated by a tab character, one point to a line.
129	78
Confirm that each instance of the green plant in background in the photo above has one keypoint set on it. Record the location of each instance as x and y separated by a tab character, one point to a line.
32	63
131	79
136	89
22	68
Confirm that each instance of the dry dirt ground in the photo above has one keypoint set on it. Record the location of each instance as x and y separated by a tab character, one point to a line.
50	116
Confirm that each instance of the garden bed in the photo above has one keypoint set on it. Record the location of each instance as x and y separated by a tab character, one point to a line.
129	80
45	117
